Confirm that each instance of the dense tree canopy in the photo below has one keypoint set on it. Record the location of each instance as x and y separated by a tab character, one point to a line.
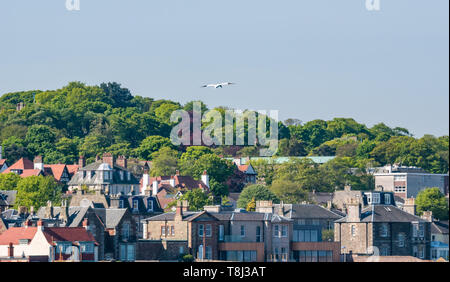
432	199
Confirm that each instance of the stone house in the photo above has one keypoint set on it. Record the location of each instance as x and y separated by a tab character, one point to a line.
383	230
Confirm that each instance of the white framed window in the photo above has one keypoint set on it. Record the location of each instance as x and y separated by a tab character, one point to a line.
376	198
387	199
163	231
276	230
150	205
353	230
283	231
369	198
172	230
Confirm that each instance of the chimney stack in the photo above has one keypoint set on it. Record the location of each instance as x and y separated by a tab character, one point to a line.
40	225
145	181
179	211
205	178
329	205
122	161
428	216
81	162
38	163
86	224
409	206
155	187
264	206
109	159
281	209
177	172
347	188
49	210
353	211
64	213
185	206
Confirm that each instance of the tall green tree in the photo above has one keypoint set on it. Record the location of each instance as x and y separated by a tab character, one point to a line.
256	192
36	191
432	199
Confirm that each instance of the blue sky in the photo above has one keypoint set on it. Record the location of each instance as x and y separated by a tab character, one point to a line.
315	59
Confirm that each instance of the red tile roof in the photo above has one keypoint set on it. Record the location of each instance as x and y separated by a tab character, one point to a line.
23	164
14	234
56	169
243	168
2	162
72	169
30	172
68	234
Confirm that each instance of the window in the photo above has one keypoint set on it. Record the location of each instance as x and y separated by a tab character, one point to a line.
87	247
301	222
353	230
181	250
376	198
172	230
387	199
415	251
126	230
415	228
421	252
121	204
135	204
421	230
149	205
121	175
276	231
163	231
128	175
242	231
200	230
401	240
283	231
384	251
315	222
208	230
384	230
258	234
369	198
221	232
314	236
208	252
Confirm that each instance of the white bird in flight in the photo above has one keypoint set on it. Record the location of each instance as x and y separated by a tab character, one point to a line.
219	85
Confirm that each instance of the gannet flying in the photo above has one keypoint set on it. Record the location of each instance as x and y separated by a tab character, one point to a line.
218	85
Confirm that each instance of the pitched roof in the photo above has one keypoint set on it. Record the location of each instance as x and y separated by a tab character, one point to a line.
170	216
110	217
72	169
68	234
56	169
119	175
439	227
30	172
14	234
385	213
308	211
75	214
2	162
8	197
22	164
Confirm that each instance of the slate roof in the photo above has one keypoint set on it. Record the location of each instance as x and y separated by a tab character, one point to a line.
385	213
307	211
321	197
8	197
110	217
170	216
75	215
440	227
78	178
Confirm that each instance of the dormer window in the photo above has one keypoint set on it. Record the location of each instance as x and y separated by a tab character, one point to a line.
84	174
387	199
135	204
376	198
121	175
121	204
150	205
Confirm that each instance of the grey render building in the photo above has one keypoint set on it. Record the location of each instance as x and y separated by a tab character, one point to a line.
383	229
105	175
407	182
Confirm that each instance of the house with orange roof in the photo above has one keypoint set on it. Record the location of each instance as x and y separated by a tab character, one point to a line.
48	244
25	168
3	164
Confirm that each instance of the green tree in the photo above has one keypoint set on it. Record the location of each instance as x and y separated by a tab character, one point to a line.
165	162
9	181
197	199
257	192
432	199
36	191
152	144
289	192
